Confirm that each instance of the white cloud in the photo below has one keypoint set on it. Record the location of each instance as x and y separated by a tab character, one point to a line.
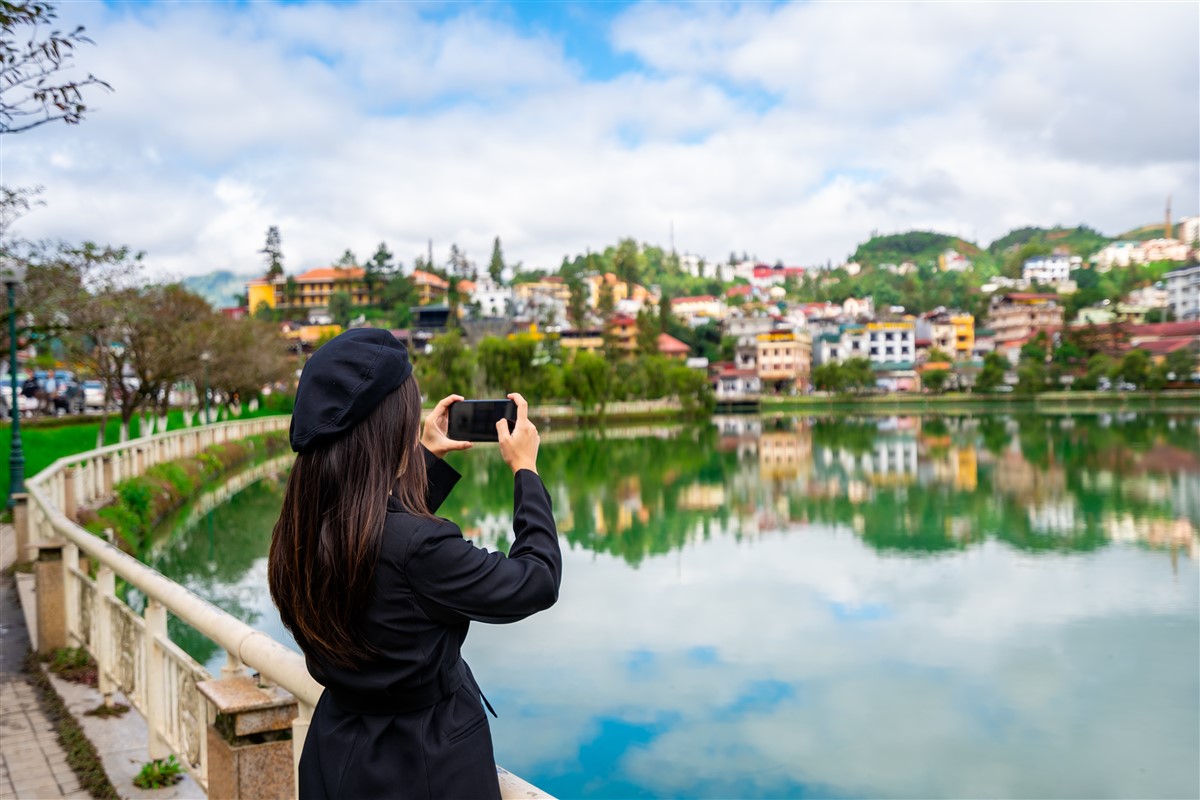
789	131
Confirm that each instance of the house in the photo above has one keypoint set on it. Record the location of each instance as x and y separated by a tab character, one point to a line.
951	331
309	290
623	331
431	289
1018	315
891	341
732	384
492	299
671	347
745	332
784	360
951	260
1124	253
1183	292
696	311
591	341
1050	270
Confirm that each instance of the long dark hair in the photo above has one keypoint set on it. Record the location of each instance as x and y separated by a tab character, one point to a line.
327	540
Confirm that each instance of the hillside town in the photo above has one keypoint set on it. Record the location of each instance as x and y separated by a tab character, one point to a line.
758	335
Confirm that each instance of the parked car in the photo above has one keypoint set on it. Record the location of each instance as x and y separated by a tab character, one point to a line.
93	394
68	397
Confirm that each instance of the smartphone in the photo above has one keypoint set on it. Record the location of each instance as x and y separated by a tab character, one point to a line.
475	420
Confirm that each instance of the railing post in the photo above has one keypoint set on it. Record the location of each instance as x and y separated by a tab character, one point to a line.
51	609
108	475
156	683
138	460
299	734
70	560
106	593
20	513
69	498
240	764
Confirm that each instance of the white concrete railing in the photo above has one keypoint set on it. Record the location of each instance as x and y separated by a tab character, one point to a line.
133	652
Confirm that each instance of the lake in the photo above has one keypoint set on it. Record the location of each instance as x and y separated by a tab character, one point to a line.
971	606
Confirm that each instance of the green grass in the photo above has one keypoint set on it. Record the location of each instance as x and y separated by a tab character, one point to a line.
44	442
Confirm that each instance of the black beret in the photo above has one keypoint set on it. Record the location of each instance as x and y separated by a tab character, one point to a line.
343	382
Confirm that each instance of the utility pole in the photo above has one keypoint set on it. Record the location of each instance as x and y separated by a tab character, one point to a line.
14	274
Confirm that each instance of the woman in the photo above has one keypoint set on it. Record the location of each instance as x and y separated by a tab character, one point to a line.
379	592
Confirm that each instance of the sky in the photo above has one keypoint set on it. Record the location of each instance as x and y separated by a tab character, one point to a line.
789	131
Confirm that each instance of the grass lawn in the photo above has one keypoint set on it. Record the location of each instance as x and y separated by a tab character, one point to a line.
43	443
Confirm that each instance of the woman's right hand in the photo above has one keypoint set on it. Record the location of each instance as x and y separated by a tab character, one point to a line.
519	447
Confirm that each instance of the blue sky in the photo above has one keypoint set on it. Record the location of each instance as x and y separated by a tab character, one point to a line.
789	131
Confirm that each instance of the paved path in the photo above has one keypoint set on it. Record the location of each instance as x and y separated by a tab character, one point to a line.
32	763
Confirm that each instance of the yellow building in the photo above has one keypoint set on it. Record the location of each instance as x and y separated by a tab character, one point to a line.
784	356
312	289
430	288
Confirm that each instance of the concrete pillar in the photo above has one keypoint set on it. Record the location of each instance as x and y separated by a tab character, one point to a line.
250	744
108	475
106	588
69	505
156	678
51	602
20	514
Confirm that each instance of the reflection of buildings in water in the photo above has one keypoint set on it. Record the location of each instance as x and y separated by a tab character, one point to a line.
738	424
1015	476
891	461
785	454
1054	517
701	497
1185	496
959	528
956	466
1166	534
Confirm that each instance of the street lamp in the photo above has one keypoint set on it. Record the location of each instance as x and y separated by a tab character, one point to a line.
205	356
12	273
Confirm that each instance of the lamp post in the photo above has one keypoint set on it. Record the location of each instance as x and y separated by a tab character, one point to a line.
13	273
205	356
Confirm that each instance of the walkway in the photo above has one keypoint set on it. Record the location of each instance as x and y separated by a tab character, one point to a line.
32	762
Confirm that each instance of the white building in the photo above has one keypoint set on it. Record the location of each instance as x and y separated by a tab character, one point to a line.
1188	231
1122	254
493	299
1183	292
696	311
953	261
1050	270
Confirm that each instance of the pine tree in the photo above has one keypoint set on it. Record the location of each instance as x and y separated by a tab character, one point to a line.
496	265
273	253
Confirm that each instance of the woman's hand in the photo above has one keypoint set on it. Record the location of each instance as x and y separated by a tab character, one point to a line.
433	433
520	447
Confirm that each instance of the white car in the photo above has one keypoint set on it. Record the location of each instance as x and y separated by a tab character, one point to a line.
93	394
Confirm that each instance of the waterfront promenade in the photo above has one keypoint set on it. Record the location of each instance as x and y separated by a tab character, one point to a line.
32	762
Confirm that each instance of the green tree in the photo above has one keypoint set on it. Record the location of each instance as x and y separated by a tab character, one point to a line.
577	302
30	91
936	380
1134	367
625	261
991	377
348	259
341	306
647	333
858	374
1181	363
588	379
273	253
829	378
605	303
448	368
940	356
1098	366
377	270
496	265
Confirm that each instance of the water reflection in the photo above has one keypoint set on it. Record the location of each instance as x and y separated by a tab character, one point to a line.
904	606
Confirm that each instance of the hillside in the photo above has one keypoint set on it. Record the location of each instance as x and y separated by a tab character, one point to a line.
920	247
219	288
1080	240
1145	232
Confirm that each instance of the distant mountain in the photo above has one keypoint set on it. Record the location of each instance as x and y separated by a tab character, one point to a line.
219	288
920	247
1081	240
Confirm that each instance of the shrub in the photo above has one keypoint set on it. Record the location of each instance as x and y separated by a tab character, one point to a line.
159	773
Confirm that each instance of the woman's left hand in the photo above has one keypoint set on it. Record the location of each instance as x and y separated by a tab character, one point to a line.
433	433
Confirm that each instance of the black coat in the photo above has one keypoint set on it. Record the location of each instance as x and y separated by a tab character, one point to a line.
411	724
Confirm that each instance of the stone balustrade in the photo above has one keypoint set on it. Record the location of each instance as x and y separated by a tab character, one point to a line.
133	652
